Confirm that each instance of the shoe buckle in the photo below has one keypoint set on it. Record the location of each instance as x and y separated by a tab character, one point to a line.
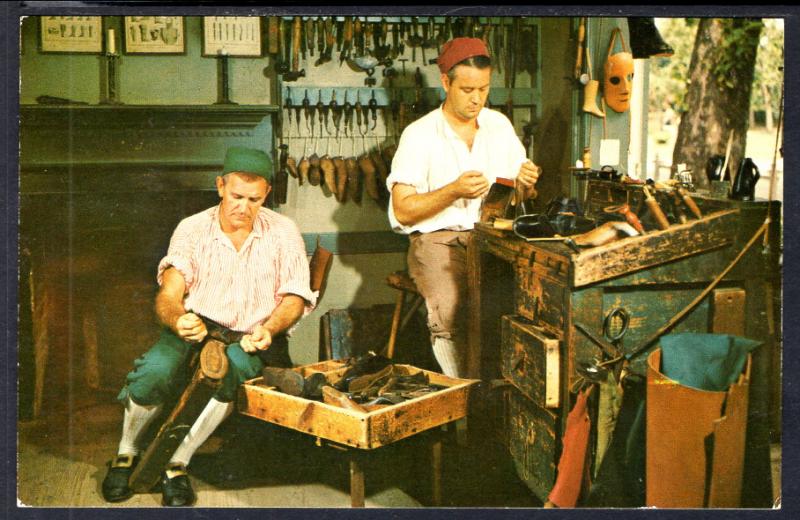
123	461
175	470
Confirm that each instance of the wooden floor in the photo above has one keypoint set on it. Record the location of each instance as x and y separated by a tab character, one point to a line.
252	464
249	463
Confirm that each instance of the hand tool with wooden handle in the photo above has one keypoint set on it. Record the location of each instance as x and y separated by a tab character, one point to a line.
297	28
401	30
677	202
347	40
690	203
359	111
322	111
469	27
295	73
326	53
290	163
414	40
655	209
281	182
630	216
383	51
283	60
319	27
310	35
358	37
373	108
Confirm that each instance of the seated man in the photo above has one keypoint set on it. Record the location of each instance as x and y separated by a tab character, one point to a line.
238	266
444	165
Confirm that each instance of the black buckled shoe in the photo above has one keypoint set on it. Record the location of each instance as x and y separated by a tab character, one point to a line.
176	490
115	485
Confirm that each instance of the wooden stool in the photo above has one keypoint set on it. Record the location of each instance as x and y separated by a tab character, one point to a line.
406	287
357	457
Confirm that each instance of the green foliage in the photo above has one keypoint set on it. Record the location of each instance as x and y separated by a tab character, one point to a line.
668	76
738	40
769	61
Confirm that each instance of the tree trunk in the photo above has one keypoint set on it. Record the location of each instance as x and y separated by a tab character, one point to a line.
718	94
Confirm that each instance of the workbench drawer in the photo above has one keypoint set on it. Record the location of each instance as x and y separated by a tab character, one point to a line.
541	297
366	430
530	361
532	442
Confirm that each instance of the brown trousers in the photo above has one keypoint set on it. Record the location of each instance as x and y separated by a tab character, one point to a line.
437	262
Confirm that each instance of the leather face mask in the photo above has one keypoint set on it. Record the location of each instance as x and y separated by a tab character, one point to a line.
617	81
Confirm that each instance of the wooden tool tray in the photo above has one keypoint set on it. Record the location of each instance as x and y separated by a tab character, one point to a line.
654	248
366	430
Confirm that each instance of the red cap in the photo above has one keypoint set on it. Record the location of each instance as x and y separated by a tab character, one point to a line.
458	50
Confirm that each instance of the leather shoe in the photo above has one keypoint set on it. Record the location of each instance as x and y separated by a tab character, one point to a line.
176	490
115	484
285	380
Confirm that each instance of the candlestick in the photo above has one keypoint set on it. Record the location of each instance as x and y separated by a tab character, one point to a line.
111	44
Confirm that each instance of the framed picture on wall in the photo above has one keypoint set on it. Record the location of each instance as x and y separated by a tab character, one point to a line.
154	35
238	36
71	34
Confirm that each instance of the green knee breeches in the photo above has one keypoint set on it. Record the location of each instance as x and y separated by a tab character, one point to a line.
162	371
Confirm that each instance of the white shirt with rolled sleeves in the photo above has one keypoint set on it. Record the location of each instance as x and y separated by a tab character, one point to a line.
239	289
430	155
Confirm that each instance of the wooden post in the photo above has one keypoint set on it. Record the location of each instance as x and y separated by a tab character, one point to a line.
436	469
356	481
398	311
474	313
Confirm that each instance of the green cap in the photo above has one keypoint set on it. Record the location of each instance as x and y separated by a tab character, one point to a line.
248	160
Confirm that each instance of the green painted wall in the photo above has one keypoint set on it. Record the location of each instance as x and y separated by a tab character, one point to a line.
190	79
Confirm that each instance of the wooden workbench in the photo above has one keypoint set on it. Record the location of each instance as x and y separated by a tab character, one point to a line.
528	296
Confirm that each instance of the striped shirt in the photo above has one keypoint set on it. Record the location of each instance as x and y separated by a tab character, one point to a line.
239	289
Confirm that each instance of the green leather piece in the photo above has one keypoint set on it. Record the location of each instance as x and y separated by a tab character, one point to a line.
705	361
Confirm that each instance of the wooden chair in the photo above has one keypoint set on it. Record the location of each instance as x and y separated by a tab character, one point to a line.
407	291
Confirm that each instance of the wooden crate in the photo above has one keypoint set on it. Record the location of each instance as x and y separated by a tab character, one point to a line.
353	428
654	248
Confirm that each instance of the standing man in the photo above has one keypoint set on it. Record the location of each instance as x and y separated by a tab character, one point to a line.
239	268
444	165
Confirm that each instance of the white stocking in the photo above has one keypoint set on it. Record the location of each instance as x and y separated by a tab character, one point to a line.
212	416
137	418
